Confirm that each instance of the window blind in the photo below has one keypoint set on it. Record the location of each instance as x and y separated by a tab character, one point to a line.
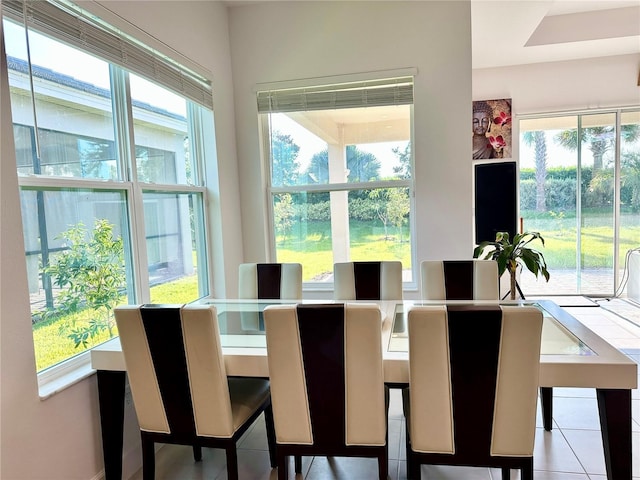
70	24
374	93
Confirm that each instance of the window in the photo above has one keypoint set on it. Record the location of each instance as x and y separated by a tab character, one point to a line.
111	178
579	177
340	180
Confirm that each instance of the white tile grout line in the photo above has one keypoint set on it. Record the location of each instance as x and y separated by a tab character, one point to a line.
620	313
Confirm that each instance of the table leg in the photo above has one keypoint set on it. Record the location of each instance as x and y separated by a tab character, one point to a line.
546	402
614	406
111	401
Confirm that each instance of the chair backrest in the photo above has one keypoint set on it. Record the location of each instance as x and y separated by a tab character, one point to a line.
270	281
176	369
317	356
459	280
473	380
367	280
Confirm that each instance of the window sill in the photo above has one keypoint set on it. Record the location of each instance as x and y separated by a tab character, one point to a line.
60	377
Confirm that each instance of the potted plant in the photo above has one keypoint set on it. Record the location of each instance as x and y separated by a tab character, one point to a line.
510	255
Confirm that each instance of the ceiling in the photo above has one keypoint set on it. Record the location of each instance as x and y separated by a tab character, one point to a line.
515	32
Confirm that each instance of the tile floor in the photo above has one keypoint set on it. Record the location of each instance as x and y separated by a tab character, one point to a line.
571	451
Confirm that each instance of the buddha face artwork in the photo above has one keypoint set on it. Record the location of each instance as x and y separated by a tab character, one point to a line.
491	129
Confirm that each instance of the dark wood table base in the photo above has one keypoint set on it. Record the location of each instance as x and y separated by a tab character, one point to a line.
546	402
615	422
111	386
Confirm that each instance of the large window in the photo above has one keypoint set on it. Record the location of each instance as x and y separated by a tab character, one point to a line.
111	182
579	187
340	180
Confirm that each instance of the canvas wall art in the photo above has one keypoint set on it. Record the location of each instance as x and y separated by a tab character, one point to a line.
491	127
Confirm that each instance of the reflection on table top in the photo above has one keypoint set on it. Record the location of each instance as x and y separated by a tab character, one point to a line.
241	322
242	325
556	338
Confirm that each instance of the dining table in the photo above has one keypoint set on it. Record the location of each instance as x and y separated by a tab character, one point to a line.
572	355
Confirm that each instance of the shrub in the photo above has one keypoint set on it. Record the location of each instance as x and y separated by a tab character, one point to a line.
91	274
560	194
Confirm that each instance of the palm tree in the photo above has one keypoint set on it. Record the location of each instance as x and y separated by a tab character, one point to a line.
363	166
599	139
284	158
539	141
630	177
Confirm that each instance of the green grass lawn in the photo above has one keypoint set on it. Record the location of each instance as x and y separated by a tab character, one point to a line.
51	341
311	246
51	337
596	239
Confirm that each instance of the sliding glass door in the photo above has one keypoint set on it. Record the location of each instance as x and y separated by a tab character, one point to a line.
629	238
577	176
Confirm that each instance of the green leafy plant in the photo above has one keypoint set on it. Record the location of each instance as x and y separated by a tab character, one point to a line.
510	255
90	274
283	213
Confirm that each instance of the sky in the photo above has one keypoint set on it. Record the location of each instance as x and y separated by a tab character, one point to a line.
54	55
310	144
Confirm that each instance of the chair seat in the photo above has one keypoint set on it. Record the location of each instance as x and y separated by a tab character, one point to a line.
246	394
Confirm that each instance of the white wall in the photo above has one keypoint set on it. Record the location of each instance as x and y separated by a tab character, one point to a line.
559	86
279	41
59	438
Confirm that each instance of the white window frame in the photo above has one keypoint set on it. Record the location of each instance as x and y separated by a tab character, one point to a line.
270	190
189	82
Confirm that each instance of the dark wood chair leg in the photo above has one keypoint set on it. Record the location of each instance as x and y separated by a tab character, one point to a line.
283	470
271	435
148	459
506	474
197	453
526	473
413	468
383	465
232	463
297	460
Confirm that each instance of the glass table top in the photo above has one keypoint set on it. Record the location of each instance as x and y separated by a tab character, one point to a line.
241	325
556	338
241	322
